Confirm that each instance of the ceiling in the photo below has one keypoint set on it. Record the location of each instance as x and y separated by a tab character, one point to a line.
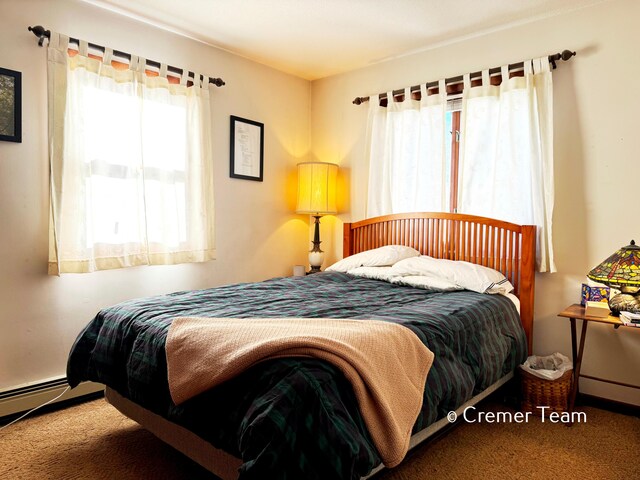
318	38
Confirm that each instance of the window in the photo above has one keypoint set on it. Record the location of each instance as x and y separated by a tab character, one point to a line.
131	165
490	154
113	169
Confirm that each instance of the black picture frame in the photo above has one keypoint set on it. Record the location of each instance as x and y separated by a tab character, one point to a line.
246	149
10	105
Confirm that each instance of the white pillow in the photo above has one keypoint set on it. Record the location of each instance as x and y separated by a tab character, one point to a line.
378	257
431	283
374	273
464	274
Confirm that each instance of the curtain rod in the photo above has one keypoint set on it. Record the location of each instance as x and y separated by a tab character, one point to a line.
41	33
565	55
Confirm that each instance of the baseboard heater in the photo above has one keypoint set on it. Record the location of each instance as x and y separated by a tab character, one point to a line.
26	397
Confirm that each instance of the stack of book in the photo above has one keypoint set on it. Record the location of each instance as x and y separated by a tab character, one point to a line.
630	319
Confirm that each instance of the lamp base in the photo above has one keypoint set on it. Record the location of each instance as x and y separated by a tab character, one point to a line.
624	302
316	255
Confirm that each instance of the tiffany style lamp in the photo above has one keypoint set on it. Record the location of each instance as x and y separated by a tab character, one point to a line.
622	271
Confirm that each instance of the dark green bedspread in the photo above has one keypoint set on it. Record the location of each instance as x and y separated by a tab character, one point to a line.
297	418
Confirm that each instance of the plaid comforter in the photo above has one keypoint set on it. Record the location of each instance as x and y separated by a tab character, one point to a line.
298	418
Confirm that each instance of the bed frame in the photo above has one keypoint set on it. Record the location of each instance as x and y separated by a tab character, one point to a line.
503	246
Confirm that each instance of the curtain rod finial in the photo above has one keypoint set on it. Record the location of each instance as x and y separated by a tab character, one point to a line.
218	82
358	100
565	55
41	33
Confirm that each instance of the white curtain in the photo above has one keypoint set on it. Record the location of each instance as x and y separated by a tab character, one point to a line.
506	152
131	164
406	142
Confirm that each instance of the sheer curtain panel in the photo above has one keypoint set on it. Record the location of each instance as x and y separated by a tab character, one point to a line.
506	152
131	163
406	150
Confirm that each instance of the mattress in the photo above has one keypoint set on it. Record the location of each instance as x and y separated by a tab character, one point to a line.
297	417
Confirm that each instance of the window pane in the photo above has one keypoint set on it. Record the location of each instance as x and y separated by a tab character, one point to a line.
114	202
166	220
164	131
165	159
111	129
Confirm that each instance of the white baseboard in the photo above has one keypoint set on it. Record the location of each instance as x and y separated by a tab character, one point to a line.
25	398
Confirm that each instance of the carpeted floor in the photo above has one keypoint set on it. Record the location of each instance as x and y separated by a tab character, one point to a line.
93	441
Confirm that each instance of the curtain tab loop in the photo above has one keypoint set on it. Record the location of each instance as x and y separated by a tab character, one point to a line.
163	70
504	70
423	91
142	64
541	65
59	41
442	87
390	98
546	66
83	48
407	94
528	69
108	56
537	68
64	43
133	62
466	81
184	77
54	40
486	81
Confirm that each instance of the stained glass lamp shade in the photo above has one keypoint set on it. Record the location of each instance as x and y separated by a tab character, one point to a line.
621	270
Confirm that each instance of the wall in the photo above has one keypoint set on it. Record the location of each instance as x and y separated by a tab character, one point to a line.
596	156
256	233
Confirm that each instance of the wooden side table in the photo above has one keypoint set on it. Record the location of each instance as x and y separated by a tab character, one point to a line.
577	312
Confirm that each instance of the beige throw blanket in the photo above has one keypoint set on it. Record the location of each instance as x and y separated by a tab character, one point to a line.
386	363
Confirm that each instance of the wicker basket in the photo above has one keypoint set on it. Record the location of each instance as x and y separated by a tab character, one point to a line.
539	392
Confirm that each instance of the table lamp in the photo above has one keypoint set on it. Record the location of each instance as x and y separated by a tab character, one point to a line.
622	271
317	197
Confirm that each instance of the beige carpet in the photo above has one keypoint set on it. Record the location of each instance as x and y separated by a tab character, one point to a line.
94	441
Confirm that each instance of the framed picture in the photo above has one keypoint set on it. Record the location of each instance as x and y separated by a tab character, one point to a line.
10	105
247	149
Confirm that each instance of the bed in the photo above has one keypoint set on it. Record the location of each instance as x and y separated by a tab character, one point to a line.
297	417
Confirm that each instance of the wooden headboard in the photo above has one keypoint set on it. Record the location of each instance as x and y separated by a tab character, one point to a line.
503	246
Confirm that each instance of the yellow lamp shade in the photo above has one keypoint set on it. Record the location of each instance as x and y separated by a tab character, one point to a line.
317	188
